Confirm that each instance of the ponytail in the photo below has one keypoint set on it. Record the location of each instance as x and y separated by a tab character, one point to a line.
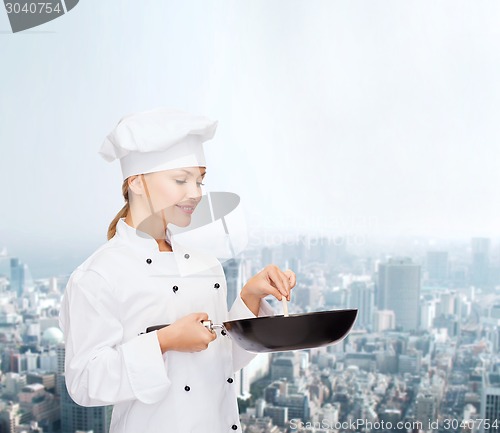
122	213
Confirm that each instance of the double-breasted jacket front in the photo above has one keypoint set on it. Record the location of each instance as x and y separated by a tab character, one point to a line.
125	286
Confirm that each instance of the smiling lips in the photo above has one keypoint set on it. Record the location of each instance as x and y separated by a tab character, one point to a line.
186	209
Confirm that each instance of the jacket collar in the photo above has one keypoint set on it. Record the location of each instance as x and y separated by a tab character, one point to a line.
188	260
139	239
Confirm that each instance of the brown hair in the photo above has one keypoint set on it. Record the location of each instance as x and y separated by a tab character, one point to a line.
122	213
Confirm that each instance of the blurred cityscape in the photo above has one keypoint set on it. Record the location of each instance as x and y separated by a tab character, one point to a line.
422	355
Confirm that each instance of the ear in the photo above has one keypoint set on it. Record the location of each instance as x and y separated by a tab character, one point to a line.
135	184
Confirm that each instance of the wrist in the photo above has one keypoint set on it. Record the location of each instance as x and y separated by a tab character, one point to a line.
165	338
251	301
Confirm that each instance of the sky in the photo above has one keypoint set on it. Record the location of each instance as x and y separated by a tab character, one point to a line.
335	117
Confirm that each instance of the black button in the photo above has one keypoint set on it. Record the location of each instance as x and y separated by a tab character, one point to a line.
234	427
230	380
223	332
187	388
149	261
186	256
216	285
175	288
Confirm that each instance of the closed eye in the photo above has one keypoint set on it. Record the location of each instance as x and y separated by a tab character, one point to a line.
180	182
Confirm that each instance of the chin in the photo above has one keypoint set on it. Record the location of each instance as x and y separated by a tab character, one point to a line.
182	222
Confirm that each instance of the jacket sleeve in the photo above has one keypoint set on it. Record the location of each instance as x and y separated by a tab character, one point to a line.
239	310
100	369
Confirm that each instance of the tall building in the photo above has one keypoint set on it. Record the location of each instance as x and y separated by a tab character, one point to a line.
10	417
284	366
14	382
427	314
297	404
20	277
410	362
399	291
48	380
490	401
235	278
16	276
437	266
42	405
255	370
480	261
448	303
60	351
361	296
426	408
279	415
75	417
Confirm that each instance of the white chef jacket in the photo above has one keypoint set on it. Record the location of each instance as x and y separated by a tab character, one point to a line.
125	286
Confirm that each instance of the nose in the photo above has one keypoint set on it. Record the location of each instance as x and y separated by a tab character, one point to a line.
194	192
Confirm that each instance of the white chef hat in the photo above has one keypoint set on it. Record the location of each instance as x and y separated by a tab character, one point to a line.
158	139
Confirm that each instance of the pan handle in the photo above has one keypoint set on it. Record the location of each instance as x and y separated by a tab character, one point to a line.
211	326
153	328
206	323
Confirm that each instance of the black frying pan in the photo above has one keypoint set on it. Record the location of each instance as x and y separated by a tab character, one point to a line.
280	333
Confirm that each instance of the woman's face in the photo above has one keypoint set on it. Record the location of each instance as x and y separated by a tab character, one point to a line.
175	193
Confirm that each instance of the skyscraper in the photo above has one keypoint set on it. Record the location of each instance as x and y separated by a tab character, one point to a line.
399	291
73	416
427	314
360	296
235	273
426	408
490	401
437	266
20	277
16	276
480	261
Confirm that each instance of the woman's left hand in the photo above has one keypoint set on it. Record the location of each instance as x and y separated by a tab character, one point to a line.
270	281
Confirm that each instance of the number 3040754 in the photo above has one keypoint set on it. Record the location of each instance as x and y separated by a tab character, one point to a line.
33	8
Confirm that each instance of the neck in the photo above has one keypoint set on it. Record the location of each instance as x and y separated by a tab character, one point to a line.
163	245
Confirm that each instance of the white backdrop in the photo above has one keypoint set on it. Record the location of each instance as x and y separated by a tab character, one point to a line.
346	116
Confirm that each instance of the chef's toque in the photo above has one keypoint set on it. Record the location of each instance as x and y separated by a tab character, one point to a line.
165	139
158	139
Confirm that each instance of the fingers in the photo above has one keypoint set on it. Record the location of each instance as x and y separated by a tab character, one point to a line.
201	316
291	277
280	280
271	290
289	282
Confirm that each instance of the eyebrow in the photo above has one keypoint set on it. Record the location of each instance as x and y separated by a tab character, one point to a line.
188	172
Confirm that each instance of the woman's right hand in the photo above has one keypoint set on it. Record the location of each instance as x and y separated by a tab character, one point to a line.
186	334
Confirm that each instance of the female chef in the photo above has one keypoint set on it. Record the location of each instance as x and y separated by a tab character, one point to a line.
180	378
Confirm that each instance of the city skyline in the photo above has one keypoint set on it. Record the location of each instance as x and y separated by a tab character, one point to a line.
394	368
61	260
